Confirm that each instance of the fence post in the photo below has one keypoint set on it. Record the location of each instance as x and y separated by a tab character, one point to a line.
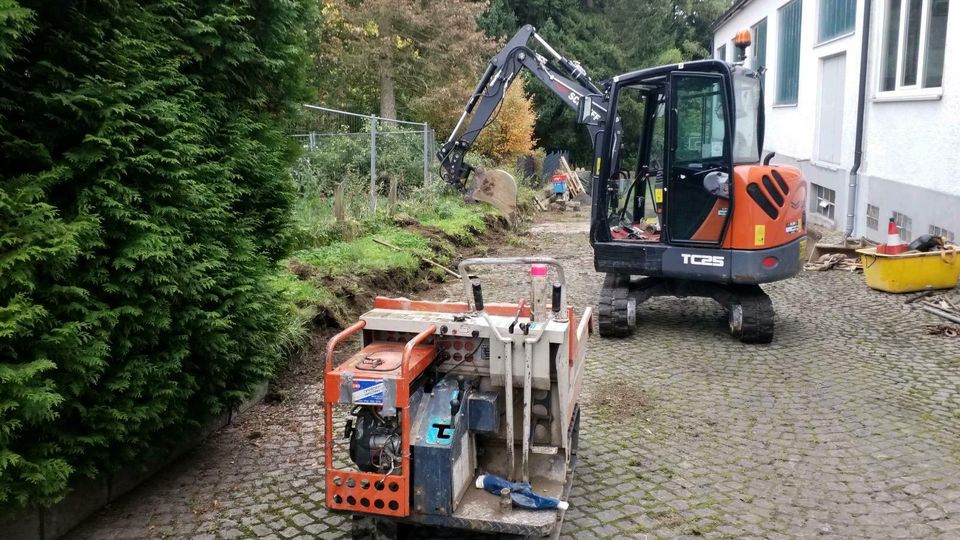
313	141
373	164
339	210
393	194
426	154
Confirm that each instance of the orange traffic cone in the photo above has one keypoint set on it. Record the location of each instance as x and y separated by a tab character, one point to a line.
894	245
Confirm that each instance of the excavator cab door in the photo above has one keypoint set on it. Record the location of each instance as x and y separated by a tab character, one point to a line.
699	173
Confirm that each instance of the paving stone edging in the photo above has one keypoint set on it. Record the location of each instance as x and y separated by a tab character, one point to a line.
88	496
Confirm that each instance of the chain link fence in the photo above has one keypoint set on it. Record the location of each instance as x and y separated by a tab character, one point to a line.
341	145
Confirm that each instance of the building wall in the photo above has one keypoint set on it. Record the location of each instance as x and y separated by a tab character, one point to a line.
912	148
911	161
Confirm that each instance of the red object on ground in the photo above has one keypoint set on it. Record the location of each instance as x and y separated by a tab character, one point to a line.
894	245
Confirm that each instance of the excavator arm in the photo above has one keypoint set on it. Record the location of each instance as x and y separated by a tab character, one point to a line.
565	78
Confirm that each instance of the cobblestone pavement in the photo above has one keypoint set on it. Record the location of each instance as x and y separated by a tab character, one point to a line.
848	425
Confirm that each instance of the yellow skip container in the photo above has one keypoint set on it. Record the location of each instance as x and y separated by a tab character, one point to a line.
911	271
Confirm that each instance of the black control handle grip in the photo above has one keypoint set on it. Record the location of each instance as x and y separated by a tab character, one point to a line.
477	294
555	300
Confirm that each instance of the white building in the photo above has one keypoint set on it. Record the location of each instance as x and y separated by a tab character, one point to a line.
812	50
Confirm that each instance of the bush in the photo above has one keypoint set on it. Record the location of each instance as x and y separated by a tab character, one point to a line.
144	204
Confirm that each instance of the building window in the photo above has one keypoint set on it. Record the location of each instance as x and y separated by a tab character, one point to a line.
940	231
722	53
904	225
914	33
873	217
788	56
837	17
759	32
825	201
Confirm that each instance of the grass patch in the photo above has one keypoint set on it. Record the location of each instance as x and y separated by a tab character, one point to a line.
338	268
364	257
460	222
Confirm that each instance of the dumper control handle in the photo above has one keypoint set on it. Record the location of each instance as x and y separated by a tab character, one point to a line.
555	301
477	294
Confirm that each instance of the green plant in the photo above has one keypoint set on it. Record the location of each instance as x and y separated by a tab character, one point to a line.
144	204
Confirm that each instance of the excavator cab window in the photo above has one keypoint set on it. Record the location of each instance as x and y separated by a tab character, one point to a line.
698	174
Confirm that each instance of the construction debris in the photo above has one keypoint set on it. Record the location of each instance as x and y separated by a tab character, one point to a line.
913	299
848	247
949	330
940	306
838	261
574	186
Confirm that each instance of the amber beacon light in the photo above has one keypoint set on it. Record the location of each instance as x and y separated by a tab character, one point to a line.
742	39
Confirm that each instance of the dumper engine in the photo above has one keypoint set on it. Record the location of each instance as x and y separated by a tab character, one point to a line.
374	440
441	393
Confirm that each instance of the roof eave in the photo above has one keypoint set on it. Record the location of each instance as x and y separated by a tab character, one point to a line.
729	13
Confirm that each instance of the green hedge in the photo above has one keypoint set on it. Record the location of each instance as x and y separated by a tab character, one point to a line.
144	203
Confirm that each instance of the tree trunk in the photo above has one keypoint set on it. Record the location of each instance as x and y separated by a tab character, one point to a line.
388	99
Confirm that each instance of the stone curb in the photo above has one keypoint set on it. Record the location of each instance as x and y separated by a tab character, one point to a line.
88	496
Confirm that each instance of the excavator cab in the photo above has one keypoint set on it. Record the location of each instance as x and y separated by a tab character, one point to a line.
682	198
688	151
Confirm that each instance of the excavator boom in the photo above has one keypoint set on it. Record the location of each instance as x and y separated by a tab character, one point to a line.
565	78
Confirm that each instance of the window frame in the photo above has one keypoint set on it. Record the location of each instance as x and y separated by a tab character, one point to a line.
946	234
821	39
901	92
794	101
755	46
824	202
873	217
722	52
904	225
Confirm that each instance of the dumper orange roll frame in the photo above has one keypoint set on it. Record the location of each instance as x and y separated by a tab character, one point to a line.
374	493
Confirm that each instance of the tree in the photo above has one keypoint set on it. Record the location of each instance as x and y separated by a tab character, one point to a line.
510	133
144	203
405	49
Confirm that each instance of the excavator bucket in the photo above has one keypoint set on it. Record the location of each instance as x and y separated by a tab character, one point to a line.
496	187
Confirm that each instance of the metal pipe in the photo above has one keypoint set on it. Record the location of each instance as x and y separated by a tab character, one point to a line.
853	186
367	116
337	339
508	404
456	128
426	155
547	46
527	406
408	348
373	166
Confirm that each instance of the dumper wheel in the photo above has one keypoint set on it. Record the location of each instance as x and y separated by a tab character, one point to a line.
617	313
751	316
371	528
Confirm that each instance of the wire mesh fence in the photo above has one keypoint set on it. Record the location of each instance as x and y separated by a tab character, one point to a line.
341	145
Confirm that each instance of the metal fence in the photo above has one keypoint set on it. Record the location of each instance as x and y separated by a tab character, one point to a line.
323	122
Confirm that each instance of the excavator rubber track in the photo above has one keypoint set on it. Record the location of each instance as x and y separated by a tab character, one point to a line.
614	317
754	309
749	310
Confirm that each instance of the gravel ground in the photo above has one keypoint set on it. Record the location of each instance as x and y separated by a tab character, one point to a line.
847	425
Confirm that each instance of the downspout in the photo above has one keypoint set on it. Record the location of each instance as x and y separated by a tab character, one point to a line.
858	142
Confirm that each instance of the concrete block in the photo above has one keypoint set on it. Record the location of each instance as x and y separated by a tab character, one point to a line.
23	525
256	397
86	497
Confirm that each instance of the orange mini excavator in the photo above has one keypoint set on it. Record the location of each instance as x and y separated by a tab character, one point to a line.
690	137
